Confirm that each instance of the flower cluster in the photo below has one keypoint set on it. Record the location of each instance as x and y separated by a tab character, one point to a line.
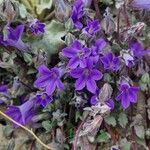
13	36
88	62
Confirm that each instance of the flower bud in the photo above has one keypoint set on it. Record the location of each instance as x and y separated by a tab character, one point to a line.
62	10
8	10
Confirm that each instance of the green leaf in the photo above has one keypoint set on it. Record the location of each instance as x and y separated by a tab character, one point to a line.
69	25
140	131
1	1
43	4
78	116
27	58
125	145
141	142
22	10
51	41
103	137
7	131
110	120
145	82
107	2
47	125
123	120
145	78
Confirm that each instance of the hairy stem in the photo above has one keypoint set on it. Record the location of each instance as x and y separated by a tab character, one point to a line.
25	128
77	134
98	14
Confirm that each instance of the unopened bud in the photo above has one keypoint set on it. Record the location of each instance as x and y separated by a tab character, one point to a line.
62	10
8	10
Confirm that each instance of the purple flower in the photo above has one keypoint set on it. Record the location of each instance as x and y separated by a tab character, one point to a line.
86	77
138	49
94	100
110	62
49	79
23	113
37	27
100	44
77	54
110	103
92	28
14	37
127	94
145	4
128	58
3	88
43	99
77	13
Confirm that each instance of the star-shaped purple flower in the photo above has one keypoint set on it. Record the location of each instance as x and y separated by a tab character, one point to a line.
23	113
3	88
94	100
14	37
77	54
110	62
43	99
93	26
49	79
128	58
77	13
128	94
138	49
100	44
37	27
86	76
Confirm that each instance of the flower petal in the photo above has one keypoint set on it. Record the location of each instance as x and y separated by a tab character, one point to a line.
76	73
73	63
50	88
43	70
96	75
42	81
80	83
125	101
59	84
69	52
91	85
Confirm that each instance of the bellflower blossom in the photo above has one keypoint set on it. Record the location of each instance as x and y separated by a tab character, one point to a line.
138	49
92	28
86	76
110	62
128	58
94	100
144	4
77	13
49	79
43	99
77	54
100	44
128	94
13	37
3	89
23	113
37	27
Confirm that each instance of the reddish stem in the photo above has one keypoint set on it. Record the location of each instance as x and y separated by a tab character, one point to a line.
98	14
126	15
77	133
